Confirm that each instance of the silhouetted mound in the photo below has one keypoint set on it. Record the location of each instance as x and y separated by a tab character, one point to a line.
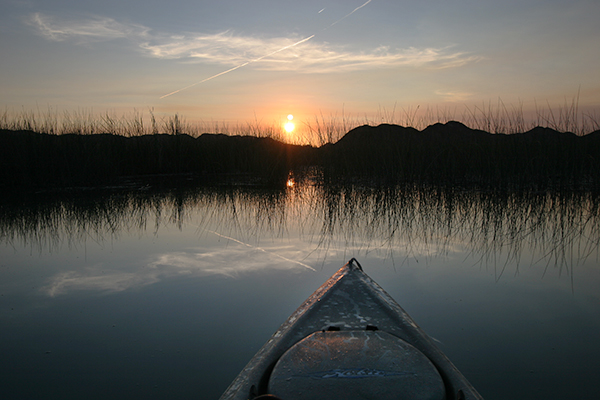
448	154
454	154
29	159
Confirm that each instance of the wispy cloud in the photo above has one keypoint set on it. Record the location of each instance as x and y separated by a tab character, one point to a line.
453	96
229	49
90	29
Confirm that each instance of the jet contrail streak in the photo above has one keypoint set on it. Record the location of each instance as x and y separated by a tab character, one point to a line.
349	14
264	251
241	65
267	55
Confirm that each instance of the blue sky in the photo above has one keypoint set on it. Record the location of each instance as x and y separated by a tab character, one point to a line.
302	57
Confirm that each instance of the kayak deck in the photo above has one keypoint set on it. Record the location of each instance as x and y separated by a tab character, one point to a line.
349	340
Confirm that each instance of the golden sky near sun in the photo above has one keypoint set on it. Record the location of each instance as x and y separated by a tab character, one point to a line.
240	62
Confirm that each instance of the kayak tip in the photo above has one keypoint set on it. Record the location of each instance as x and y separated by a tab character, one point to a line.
354	264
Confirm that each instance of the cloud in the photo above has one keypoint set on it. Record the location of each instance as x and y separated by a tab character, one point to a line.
229	50
91	29
453	96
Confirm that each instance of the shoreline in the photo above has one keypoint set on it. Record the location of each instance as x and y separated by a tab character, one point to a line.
443	154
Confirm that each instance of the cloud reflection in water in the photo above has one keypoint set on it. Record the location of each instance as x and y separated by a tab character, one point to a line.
230	232
232	260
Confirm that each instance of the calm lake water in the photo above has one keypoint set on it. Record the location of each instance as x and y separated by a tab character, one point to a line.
167	294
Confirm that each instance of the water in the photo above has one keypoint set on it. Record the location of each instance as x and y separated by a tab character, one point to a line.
168	293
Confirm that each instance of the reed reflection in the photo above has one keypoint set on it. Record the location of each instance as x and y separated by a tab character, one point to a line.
504	230
558	229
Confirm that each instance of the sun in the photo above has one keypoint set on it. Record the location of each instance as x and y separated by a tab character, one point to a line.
289	126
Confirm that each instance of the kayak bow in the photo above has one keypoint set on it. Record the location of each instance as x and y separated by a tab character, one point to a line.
350	340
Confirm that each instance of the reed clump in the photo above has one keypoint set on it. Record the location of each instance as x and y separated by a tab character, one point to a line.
317	131
491	148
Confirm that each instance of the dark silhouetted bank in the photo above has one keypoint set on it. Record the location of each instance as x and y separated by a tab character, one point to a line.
448	154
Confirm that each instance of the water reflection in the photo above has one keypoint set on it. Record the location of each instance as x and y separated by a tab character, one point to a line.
135	287
553	228
305	223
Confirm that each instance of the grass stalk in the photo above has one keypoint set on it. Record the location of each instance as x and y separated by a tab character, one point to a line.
498	118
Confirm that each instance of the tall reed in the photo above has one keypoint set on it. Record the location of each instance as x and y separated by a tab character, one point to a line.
493	117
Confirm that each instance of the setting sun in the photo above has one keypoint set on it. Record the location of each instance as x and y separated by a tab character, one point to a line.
289	126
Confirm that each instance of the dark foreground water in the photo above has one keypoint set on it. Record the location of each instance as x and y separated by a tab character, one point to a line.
167	294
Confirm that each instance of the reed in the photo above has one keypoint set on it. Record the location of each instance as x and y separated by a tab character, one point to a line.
554	230
448	154
493	117
493	147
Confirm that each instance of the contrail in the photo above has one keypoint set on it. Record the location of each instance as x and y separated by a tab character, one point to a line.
264	251
349	14
241	65
267	55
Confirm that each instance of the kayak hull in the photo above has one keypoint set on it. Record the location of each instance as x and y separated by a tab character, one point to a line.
350	303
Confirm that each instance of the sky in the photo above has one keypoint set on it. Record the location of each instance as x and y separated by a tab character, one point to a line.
239	61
